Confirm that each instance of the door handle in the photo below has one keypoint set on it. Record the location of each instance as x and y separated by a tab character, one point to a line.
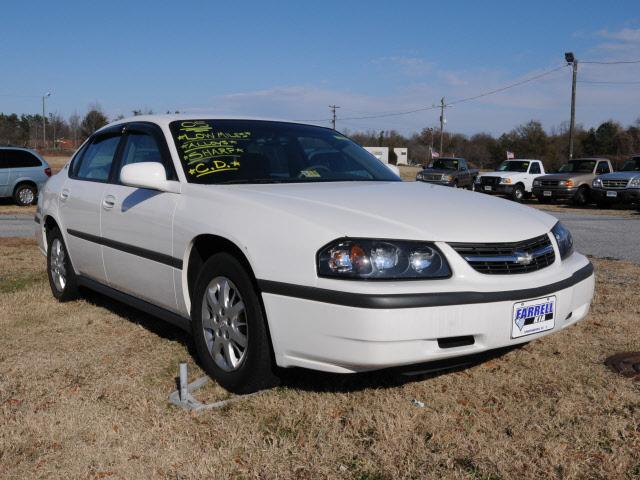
108	202
64	194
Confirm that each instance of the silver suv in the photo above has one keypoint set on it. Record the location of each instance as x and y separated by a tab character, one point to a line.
23	173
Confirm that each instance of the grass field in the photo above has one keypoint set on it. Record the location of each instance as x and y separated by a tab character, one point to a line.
84	386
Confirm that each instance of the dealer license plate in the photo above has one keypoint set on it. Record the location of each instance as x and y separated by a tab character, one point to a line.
533	316
487	188
611	194
546	193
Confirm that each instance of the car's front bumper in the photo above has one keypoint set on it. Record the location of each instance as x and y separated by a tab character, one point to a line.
624	195
557	193
499	189
346	332
438	182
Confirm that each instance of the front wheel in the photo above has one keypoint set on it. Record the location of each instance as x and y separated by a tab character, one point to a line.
229	328
581	197
518	193
62	278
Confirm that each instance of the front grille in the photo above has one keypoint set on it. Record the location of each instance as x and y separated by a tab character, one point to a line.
549	183
508	258
489	180
433	177
614	183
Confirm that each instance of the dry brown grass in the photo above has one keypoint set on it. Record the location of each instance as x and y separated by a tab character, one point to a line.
84	385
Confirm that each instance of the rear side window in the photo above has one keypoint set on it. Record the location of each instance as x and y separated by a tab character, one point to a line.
96	162
20	159
535	168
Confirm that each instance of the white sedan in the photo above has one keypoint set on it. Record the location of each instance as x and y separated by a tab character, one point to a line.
281	244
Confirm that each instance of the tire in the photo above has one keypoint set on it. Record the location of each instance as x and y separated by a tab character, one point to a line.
581	197
25	194
62	277
472	185
455	183
234	348
518	193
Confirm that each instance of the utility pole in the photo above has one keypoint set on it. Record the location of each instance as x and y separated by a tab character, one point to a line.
44	125
442	122
571	59
333	111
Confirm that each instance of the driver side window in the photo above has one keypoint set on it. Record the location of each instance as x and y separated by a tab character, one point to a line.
95	164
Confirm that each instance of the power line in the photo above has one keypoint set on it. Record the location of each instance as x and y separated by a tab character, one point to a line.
594	82
434	107
615	62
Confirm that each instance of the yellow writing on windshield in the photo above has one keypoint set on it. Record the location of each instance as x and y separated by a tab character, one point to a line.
216	166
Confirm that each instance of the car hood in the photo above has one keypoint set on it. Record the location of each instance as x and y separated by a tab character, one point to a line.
619	175
438	171
567	176
501	174
400	210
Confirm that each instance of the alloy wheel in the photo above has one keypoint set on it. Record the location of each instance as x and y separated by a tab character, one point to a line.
58	268
224	323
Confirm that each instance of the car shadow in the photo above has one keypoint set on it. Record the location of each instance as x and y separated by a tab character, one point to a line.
300	378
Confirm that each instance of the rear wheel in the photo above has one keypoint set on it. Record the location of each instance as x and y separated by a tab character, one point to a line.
62	278
472	186
518	193
25	194
230	330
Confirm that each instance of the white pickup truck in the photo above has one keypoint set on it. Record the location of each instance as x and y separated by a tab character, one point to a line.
514	178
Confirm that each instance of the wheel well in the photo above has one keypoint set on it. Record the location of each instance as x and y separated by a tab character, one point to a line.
49	224
25	182
520	184
205	246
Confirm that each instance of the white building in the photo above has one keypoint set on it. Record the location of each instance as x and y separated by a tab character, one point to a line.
402	155
381	153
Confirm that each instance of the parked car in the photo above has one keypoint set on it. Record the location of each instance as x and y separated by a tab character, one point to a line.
514	178
573	181
23	173
452	172
273	256
618	187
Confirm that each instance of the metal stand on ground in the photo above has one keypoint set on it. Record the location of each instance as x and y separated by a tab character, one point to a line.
183	398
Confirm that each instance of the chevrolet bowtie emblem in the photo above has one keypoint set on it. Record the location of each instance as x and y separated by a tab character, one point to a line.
523	258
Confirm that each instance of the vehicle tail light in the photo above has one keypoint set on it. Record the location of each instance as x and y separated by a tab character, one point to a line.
47	172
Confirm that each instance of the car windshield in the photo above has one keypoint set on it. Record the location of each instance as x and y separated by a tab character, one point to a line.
256	151
632	165
578	166
446	164
514	166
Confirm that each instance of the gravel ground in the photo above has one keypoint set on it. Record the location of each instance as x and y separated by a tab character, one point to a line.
604	236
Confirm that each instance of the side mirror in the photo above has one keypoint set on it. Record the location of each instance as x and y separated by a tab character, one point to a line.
150	175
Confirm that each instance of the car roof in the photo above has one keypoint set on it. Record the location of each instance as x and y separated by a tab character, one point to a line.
590	158
166	119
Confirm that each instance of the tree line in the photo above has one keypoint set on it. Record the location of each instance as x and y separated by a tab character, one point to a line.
529	140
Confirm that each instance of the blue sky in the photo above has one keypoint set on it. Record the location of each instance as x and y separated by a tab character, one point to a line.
290	60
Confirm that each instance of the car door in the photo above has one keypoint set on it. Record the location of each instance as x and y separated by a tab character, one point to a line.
4	175
534	171
137	223
80	202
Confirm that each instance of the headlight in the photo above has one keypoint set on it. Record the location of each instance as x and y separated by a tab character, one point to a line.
447	178
634	183
478	180
505	180
367	259
420	176
536	183
566	183
564	239
597	183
